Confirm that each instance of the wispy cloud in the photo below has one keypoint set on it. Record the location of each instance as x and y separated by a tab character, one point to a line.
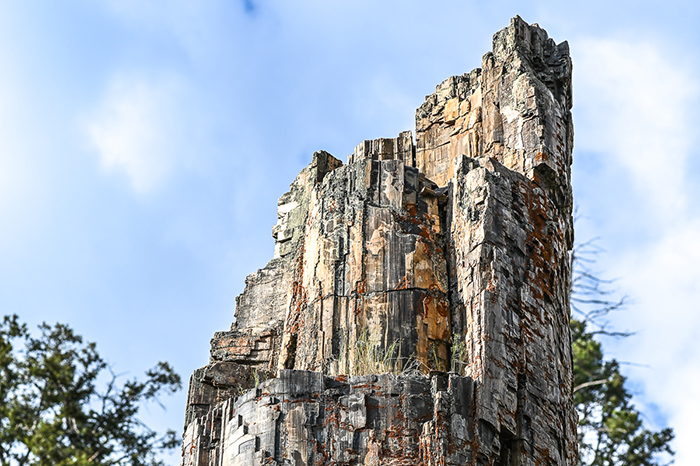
636	102
636	108
664	282
137	129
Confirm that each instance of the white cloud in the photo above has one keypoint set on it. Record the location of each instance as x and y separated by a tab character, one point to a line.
635	104
137	130
684	420
664	282
635	100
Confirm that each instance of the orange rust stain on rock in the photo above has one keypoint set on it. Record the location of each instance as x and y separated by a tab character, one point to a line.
411	209
403	284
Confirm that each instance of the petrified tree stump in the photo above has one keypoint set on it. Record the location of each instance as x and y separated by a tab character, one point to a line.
417	307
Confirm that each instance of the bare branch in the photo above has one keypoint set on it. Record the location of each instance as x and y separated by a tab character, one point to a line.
589	384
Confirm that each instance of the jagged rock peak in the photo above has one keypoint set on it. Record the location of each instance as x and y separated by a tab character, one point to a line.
416	309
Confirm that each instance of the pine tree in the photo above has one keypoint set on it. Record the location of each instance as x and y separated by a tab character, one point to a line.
611	431
53	412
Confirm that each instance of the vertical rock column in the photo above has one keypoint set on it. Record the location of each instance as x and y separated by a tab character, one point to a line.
512	274
373	271
516	109
453	254
501	139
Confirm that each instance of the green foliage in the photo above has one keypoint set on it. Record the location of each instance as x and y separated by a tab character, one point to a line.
256	377
371	358
458	357
435	362
611	431
53	412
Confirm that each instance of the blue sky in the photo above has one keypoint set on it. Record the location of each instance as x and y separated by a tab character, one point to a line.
143	146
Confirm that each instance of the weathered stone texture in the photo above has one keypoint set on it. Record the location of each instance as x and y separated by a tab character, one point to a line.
372	267
400	148
511	304
304	417
516	109
445	263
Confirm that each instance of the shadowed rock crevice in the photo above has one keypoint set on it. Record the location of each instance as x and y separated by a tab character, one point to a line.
416	308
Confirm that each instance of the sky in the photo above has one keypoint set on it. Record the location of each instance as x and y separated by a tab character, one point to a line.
144	144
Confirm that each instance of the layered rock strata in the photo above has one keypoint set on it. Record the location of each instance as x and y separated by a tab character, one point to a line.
416	309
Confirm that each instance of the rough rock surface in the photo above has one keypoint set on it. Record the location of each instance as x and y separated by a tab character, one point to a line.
309	418
416	310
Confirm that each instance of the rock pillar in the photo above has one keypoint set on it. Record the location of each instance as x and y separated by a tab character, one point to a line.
416	310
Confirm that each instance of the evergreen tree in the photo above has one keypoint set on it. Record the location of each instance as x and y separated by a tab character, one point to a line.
611	431
53	412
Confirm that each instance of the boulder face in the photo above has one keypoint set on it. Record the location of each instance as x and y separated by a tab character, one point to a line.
416	310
